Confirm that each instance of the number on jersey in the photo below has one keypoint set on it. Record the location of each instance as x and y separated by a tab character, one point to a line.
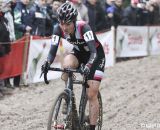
88	36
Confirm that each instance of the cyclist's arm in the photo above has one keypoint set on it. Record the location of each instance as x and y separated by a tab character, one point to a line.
90	40
54	45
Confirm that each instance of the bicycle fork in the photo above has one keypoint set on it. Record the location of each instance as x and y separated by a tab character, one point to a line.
75	119
72	114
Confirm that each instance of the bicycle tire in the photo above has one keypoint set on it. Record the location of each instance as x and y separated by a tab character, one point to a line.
100	116
53	123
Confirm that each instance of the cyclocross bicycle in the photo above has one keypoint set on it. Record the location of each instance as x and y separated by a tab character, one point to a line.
72	119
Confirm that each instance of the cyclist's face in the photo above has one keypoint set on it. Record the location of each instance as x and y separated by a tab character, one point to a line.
68	28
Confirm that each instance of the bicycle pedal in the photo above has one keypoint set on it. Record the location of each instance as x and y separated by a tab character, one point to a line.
59	127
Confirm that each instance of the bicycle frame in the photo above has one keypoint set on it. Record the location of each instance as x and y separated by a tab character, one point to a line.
72	103
78	120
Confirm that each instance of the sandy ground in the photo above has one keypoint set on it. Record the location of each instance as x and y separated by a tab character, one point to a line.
131	99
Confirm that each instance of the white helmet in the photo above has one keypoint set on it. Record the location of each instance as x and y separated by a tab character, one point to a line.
67	12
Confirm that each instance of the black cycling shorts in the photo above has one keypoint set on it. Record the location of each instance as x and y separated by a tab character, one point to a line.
97	69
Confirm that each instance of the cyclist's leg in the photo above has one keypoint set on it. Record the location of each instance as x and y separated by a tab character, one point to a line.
70	61
94	80
92	93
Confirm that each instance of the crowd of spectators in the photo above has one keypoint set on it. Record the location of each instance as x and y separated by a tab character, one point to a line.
21	17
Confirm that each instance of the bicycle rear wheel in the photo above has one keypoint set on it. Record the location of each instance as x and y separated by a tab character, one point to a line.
57	119
100	116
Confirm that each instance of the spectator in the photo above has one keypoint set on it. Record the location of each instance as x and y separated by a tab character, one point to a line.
102	3
4	43
53	14
151	11
144	14
55	5
9	17
101	23
49	2
22	25
155	12
40	19
49	8
96	15
4	38
13	5
4	31
10	23
114	13
130	14
91	5
108	4
22	18
82	10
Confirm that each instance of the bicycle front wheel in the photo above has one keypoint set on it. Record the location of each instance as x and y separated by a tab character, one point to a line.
58	119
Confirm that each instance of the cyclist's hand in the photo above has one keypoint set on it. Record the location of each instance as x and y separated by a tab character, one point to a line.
45	67
86	70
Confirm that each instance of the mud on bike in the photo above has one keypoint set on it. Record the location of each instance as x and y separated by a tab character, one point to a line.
73	119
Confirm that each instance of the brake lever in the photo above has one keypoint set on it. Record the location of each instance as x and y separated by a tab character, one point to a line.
45	77
41	74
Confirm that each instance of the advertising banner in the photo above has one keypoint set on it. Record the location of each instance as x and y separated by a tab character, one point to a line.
154	40
38	52
131	41
107	40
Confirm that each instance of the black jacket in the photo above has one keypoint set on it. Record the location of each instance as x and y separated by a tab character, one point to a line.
4	37
130	16
91	15
40	21
117	15
21	17
101	22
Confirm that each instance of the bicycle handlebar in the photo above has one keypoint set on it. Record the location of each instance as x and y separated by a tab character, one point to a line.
66	70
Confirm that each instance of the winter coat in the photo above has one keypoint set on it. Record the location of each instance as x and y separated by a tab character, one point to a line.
4	37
